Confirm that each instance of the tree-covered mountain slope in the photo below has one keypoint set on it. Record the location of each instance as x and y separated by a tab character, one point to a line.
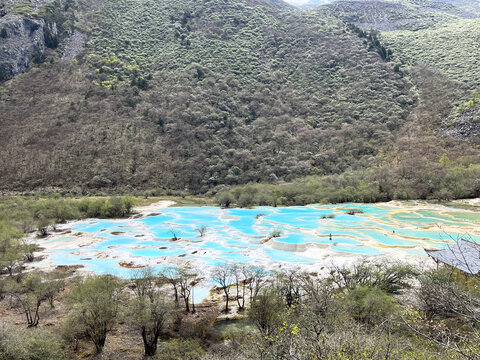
453	48
191	94
444	36
194	95
388	15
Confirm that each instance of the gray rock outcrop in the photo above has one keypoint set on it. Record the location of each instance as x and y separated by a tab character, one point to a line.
75	45
466	126
21	39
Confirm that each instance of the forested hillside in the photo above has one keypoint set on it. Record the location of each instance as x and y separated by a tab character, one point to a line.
388	15
443	36
193	95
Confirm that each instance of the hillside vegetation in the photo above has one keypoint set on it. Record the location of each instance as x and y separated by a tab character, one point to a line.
439	35
443	35
197	95
388	15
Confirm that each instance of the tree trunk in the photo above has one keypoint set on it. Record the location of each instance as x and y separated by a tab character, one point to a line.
193	302
243	293
32	320
238	295
176	295
226	302
150	345
99	343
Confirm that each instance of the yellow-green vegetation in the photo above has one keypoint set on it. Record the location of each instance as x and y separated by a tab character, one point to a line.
181	349
22	215
22	9
451	48
26	213
29	344
472	103
446	180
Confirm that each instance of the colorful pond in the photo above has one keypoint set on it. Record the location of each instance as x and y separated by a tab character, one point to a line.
273	237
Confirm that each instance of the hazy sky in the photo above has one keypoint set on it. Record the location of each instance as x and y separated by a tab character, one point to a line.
296	2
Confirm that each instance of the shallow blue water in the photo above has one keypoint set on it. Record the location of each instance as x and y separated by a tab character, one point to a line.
245	235
155	252
363	250
286	256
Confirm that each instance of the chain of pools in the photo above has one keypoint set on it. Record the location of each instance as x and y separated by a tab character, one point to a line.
308	234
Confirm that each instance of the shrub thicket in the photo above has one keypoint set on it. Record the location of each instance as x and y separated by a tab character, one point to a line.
292	314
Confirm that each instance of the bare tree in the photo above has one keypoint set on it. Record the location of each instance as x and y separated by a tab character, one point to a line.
289	286
202	230
148	310
144	281
223	276
172	275
256	276
188	278
173	231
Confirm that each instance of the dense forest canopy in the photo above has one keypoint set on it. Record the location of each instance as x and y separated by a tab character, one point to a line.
197	95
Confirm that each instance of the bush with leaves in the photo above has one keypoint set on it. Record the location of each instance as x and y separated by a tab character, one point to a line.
370	305
33	344
94	308
148	311
180	349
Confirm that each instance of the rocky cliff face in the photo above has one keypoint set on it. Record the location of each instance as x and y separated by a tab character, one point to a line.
21	42
466	126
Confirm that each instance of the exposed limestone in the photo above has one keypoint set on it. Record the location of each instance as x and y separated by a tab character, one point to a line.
75	45
467	126
23	41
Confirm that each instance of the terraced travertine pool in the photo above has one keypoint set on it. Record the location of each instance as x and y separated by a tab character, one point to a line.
309	236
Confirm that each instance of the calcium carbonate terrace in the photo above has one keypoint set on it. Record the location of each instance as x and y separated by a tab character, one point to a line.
309	236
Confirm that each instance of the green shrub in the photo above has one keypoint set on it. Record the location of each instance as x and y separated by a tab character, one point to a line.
370	305
180	349
22	9
94	306
34	344
276	233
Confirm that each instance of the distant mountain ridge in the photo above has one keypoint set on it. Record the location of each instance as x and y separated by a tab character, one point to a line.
388	15
311	4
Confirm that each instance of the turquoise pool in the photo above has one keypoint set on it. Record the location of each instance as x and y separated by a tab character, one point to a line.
261	236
